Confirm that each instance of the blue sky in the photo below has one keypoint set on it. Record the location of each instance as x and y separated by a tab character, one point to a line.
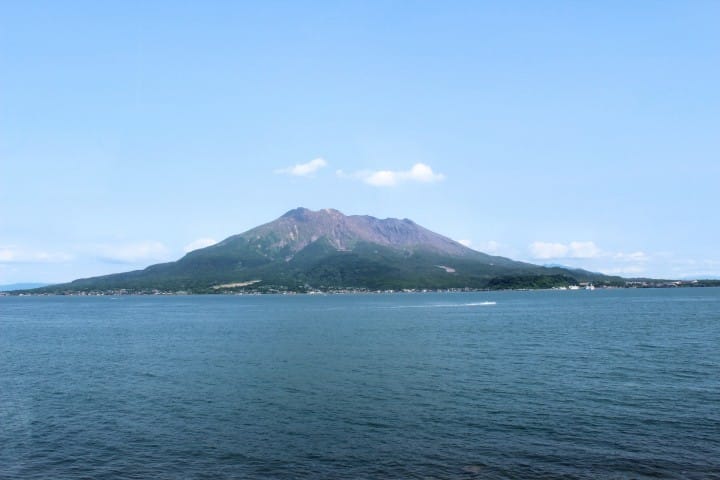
575	133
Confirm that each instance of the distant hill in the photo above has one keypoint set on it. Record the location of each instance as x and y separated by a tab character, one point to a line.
325	250
21	286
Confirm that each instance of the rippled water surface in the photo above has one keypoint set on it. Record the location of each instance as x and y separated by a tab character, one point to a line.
601	384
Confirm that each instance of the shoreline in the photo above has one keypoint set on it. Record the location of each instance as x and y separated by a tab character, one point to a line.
353	291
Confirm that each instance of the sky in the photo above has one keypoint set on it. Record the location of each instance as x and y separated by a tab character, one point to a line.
583	134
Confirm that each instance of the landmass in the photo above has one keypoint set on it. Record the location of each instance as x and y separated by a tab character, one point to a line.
307	251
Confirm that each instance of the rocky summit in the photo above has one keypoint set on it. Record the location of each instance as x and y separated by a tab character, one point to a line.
301	227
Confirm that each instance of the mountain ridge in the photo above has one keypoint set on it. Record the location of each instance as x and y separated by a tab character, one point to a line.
344	231
305	250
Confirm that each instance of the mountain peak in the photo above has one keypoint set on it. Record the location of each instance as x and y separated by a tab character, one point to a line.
302	213
327	249
296	213
301	227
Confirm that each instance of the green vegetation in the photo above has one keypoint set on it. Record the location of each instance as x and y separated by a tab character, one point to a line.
530	282
321	267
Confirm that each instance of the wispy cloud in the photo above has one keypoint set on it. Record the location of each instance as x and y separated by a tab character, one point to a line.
303	169
13	254
626	270
493	248
132	253
546	250
419	173
549	250
690	268
588	255
199	243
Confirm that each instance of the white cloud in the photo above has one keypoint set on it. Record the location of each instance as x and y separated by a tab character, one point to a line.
547	250
627	270
199	243
422	173
589	256
419	173
688	268
303	169
382	178
138	252
12	254
584	250
492	247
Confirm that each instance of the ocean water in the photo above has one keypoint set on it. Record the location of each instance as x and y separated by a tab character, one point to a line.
602	384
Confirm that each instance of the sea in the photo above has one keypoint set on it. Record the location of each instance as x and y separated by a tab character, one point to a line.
488	385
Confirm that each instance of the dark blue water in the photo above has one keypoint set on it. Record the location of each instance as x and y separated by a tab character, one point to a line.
603	384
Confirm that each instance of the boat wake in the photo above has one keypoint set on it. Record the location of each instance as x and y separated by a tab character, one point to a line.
445	305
